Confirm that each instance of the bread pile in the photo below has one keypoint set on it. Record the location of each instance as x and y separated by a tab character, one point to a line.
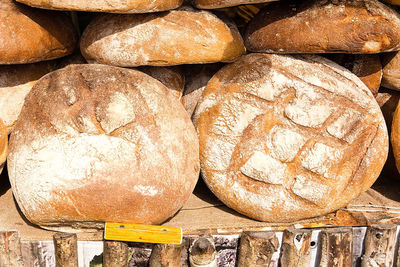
283	134
3	145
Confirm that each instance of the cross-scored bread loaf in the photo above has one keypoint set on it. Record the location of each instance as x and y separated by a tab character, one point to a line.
284	138
96	143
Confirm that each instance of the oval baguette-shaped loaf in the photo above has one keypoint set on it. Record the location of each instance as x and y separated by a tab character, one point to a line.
340	26
391	70
183	36
284	138
114	6
212	4
15	83
30	35
96	143
3	145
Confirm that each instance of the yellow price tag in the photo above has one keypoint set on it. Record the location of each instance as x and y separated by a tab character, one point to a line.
143	233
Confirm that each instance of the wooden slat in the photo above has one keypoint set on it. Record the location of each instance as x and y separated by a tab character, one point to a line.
115	254
336	247
66	249
257	248
295	249
164	255
10	249
203	252
379	246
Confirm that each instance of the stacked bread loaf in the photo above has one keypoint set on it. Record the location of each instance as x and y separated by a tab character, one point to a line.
3	145
280	136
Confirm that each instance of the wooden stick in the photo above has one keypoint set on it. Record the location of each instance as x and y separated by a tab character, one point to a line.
336	247
202	253
295	249
10	249
379	244
115	254
257	248
164	255
66	249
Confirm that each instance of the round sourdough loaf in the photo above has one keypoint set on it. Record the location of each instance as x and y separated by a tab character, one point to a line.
113	6
30	35
285	138
211	4
331	26
172	77
391	70
3	145
15	83
395	136
367	67
184	36
96	143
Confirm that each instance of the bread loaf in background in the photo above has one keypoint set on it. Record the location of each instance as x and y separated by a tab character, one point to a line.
284	138
97	143
342	26
212	4
15	83
197	77
183	36
114	6
30	35
391	70
172	77
3	145
367	67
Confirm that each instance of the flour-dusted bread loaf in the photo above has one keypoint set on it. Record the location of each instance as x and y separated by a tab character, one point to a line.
391	70
211	4
197	77
3	145
284	138
96	143
367	67
184	36
30	35
331	26
15	83
172	77
114	6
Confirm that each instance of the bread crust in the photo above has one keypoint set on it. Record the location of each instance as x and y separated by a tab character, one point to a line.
3	145
344	26
284	138
114	6
96	143
29	35
183	36
391	70
212	4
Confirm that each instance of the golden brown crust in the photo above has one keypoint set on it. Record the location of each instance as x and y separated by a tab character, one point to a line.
212	4
367	67
344	26
30	35
3	145
109	6
395	136
184	36
286	138
172	77
115	144
391	70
